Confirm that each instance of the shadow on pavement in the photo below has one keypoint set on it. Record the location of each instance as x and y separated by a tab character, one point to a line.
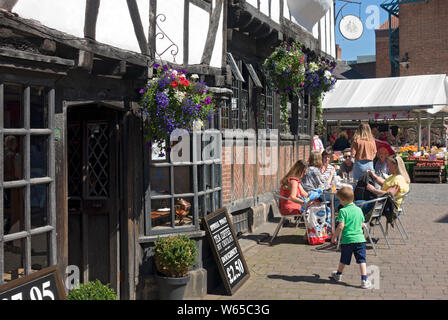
443	220
310	279
289	239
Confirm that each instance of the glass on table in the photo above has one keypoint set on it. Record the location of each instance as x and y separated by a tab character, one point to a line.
344	176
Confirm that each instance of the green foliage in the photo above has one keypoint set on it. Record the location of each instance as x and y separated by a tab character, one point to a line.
170	101
94	290
285	68
175	255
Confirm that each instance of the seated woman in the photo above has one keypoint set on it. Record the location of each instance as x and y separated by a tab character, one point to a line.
398	181
327	171
313	178
396	184
291	188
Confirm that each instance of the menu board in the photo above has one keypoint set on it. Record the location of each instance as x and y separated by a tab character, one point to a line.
226	249
45	284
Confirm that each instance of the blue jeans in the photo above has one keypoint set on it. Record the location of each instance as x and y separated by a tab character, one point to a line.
360	167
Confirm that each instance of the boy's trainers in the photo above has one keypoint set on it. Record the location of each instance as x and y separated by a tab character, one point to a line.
365	284
335	276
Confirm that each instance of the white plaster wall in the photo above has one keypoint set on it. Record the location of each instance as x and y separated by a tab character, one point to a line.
198	19
217	51
275	11
253	3
114	25
173	27
66	15
264	7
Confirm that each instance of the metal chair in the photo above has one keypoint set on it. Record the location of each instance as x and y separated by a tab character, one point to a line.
374	220
300	216
400	225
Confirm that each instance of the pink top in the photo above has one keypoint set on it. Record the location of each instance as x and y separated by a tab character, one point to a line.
288	207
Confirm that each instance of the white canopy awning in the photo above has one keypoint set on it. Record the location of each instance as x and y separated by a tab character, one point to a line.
387	95
309	12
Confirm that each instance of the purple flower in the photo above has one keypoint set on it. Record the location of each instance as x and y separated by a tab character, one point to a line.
165	67
142	91
156	65
207	100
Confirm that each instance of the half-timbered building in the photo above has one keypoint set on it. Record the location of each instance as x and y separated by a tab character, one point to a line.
78	184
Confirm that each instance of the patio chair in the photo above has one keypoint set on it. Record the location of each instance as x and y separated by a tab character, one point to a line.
400	225
300	217
374	219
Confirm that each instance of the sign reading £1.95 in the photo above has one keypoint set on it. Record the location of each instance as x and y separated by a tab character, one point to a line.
45	284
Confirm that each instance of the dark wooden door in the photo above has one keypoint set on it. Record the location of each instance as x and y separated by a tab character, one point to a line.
93	202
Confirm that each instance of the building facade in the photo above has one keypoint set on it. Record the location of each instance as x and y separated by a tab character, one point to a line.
80	186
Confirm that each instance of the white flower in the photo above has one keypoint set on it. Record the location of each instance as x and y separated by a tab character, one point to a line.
197	125
174	72
179	95
314	66
194	76
327	74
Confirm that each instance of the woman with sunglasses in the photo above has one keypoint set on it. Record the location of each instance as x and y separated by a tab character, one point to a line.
347	164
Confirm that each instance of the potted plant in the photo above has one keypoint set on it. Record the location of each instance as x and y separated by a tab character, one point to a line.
93	290
173	257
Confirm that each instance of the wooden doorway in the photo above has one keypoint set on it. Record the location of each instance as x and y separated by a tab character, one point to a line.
93	193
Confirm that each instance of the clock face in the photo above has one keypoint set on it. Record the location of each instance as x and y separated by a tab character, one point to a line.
351	27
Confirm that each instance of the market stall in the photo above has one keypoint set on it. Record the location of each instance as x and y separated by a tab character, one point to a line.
426	165
408	103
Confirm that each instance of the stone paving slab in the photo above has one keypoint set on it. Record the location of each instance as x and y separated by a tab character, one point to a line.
291	269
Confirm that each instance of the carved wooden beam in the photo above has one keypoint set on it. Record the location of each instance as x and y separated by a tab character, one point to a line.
212	31
138	26
91	16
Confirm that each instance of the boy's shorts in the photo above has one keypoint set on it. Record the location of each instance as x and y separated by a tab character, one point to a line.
358	249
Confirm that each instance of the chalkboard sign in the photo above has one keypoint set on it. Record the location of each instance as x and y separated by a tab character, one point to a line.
226	248
45	284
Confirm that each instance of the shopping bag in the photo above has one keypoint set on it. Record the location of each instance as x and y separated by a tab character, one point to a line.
317	223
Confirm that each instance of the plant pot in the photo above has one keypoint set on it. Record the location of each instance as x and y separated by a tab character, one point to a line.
171	288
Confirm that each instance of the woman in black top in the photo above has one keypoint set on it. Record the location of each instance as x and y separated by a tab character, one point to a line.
342	142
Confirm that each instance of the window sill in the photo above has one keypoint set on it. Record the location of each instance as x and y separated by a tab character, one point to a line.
191	235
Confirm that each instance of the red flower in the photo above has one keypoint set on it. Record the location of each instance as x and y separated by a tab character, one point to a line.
174	84
186	83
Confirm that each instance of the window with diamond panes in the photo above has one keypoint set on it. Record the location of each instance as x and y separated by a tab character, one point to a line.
27	183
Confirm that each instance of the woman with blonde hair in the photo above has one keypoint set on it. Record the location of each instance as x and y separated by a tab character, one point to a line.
313	178
291	188
363	150
398	181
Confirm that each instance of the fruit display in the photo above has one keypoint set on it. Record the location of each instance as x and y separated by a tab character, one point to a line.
409	149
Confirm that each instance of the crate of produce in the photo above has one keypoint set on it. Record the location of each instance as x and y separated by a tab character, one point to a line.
430	174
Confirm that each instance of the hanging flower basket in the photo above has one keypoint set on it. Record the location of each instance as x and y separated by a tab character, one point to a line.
170	101
319	79
285	70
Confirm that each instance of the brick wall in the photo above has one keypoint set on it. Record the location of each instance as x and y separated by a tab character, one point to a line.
382	54
243	174
424	36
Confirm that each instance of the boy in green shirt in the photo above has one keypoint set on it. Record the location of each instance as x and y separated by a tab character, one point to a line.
350	220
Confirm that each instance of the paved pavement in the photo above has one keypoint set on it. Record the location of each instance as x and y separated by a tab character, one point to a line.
290	269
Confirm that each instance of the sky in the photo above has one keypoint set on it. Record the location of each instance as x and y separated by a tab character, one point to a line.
365	45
